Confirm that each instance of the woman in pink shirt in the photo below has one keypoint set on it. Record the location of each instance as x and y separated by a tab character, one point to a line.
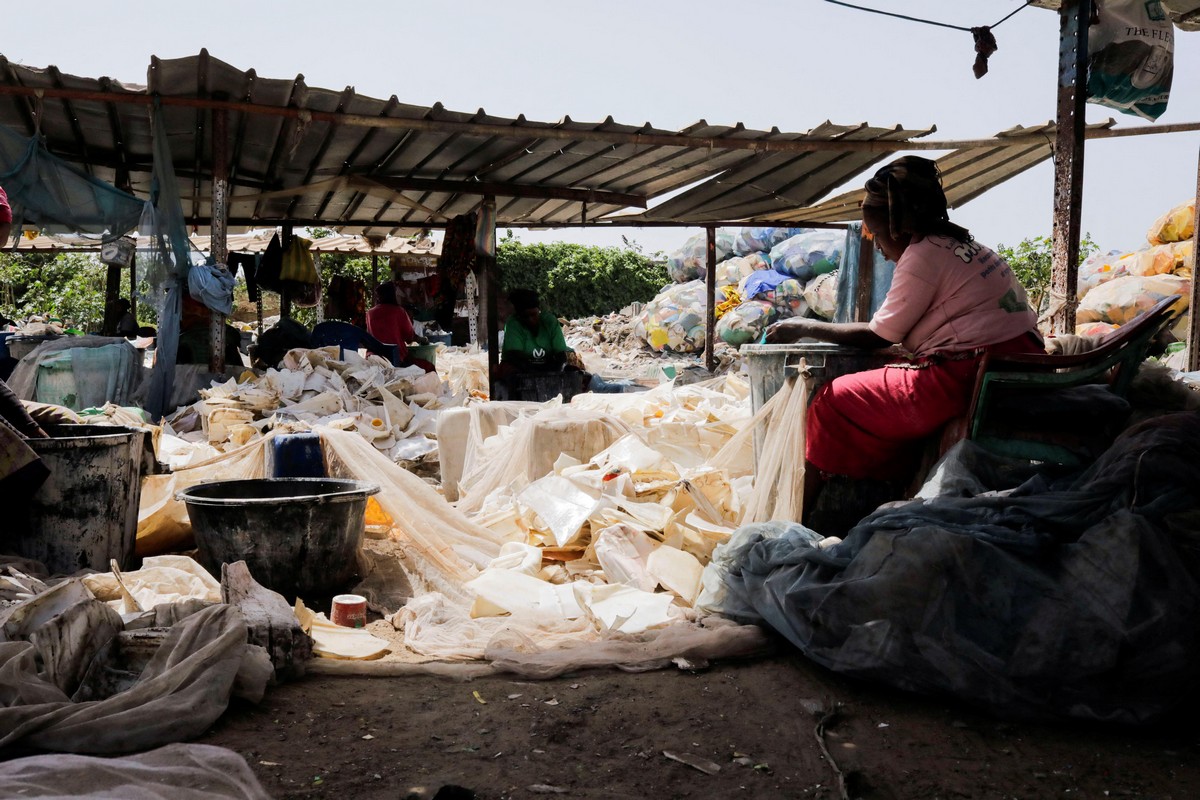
951	300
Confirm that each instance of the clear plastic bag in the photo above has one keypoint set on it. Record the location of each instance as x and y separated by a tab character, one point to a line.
809	254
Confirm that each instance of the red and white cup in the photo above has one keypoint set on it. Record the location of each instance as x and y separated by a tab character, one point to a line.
349	610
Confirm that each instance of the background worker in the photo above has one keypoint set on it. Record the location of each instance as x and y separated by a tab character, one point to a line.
388	322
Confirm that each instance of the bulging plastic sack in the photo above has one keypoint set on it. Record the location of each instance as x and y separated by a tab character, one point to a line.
1095	329
807	255
690	262
1101	268
746	323
674	320
1131	58
751	240
821	295
1177	225
1122	299
788	299
733	271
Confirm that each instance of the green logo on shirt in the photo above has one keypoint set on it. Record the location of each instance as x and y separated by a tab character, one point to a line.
1013	304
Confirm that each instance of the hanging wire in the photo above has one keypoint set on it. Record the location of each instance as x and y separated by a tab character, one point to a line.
1022	7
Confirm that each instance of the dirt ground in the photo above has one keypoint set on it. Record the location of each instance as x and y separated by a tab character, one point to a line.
778	727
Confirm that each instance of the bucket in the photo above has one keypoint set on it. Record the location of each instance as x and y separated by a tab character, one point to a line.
298	536
20	345
86	513
428	352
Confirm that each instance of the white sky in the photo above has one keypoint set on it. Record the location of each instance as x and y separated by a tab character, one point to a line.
787	63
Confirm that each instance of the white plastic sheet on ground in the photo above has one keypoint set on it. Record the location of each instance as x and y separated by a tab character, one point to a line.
184	688
174	772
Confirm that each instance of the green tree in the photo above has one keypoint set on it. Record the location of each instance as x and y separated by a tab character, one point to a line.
65	285
1032	261
579	281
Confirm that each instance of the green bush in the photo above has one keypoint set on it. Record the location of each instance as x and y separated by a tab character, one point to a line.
580	281
68	285
1032	262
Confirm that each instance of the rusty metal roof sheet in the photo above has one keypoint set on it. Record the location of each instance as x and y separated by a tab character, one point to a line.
366	165
377	167
966	173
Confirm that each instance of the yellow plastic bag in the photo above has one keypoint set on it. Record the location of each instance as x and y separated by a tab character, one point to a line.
298	264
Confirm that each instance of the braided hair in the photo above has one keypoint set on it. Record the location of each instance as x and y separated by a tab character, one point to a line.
910	190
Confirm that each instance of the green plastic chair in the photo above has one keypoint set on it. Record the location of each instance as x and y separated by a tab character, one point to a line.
1034	377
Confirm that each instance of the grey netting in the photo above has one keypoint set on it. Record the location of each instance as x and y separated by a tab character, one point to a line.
56	197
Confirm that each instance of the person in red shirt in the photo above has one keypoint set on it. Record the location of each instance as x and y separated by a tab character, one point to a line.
5	218
390	324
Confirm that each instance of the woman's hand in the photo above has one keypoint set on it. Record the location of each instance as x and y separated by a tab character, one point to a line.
791	330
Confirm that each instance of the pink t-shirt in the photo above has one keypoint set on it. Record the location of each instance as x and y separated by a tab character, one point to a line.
948	296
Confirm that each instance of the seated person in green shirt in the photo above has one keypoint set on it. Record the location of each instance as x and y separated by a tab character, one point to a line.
533	339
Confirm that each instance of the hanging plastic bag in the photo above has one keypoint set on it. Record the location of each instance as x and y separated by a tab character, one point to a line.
267	275
298	264
1131	58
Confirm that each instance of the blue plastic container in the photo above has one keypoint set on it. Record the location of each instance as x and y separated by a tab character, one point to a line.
298	455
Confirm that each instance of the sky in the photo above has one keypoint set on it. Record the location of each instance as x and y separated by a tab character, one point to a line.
792	64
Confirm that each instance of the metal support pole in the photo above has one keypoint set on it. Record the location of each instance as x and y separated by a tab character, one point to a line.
1074	18
864	292
1194	329
489	286
710	302
374	272
218	244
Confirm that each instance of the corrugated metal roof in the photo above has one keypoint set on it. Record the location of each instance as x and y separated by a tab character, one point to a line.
419	166
1184	13
364	165
966	173
758	186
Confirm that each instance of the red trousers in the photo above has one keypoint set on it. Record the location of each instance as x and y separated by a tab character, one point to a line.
874	424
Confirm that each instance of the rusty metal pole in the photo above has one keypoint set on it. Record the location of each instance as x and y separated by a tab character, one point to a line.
489	286
864	292
710	295
1074	18
1194	328
219	228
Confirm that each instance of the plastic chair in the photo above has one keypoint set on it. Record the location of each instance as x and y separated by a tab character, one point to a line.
1025	386
351	337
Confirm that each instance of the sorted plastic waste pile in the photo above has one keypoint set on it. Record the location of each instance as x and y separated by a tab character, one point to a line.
393	408
763	275
1115	287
